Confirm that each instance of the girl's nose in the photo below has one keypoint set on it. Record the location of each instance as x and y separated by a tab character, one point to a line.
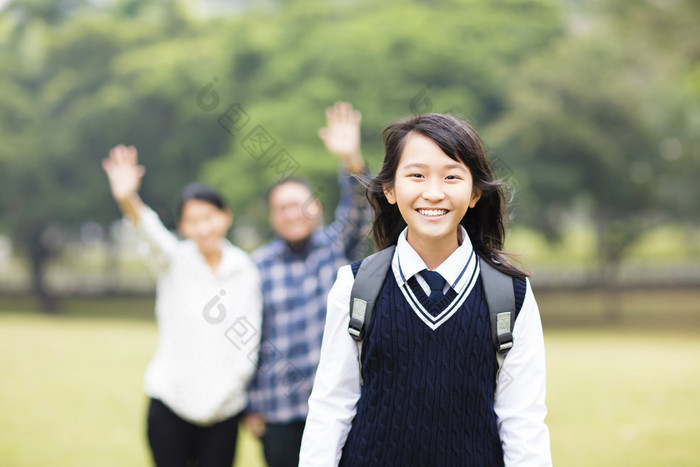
433	192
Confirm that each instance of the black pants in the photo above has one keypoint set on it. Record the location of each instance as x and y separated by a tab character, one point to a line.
281	444
179	443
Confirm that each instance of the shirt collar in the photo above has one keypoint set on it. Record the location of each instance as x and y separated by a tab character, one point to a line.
231	260
407	263
283	249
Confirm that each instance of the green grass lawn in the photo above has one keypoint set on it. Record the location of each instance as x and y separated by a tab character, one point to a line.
623	398
71	393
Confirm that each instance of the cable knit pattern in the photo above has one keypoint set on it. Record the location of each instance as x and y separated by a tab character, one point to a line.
428	395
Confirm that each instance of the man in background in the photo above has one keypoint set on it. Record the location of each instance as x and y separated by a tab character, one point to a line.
297	270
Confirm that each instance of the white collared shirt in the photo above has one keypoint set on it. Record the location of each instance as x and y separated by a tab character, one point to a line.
460	275
407	263
209	326
520	389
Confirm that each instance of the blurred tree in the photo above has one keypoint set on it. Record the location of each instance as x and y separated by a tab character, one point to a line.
94	83
81	79
663	36
575	134
592	114
596	123
390	59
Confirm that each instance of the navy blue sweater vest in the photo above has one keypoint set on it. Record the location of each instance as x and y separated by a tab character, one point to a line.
428	395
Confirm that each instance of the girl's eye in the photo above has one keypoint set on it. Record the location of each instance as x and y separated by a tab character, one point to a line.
416	175
452	177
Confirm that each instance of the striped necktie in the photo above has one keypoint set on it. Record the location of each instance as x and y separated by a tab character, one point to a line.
436	283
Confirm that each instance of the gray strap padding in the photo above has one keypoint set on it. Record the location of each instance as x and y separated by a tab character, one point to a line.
368	282
500	298
365	290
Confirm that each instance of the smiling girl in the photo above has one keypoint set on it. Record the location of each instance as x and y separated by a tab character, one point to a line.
428	392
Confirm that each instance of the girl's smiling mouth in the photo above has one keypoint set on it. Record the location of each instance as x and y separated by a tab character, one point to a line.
432	212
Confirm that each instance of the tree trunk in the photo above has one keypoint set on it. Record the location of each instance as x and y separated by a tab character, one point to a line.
612	302
691	238
609	260
112	274
39	256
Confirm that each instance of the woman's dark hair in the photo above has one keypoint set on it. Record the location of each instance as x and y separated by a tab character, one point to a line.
199	192
485	223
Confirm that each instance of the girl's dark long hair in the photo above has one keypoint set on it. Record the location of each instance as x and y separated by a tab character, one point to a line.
485	223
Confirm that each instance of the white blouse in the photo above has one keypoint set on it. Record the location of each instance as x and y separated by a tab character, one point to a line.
209	326
520	388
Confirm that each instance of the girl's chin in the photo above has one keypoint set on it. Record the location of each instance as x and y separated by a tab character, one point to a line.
433	235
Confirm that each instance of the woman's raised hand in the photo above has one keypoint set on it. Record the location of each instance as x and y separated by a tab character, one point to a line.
123	171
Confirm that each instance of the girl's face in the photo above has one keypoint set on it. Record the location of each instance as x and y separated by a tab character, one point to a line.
205	224
432	191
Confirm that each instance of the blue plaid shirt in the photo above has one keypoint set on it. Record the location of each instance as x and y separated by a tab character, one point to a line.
295	288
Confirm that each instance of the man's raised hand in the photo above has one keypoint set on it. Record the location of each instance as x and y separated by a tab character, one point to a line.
341	135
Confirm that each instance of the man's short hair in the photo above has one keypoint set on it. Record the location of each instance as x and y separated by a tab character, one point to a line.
299	181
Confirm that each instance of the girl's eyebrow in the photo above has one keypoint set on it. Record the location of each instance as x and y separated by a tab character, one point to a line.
419	165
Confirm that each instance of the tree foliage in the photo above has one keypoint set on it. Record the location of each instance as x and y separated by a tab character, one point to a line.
598	122
581	117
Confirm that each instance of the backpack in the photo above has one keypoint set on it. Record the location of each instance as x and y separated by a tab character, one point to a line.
498	289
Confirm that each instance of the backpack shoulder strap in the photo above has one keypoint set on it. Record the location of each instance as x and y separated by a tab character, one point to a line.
500	298
368	282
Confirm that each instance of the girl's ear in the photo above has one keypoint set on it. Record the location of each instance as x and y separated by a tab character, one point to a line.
389	193
476	195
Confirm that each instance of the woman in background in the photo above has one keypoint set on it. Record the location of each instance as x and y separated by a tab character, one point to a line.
208	309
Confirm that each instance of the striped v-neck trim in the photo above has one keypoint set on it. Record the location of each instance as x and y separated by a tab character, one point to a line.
432	314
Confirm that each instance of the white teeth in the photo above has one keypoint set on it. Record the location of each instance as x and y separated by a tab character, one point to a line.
432	212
